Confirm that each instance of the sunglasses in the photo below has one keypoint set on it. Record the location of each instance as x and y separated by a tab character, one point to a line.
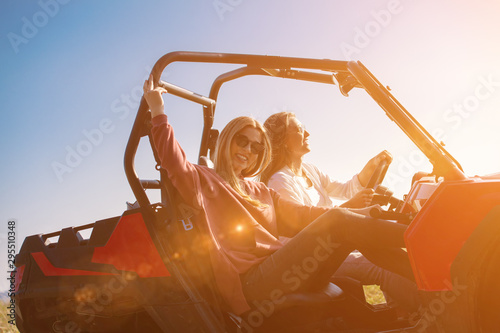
242	141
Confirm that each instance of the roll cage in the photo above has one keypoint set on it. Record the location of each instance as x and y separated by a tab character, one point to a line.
346	75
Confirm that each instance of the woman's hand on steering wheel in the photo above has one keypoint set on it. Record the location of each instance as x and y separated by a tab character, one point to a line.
360	200
375	161
373	166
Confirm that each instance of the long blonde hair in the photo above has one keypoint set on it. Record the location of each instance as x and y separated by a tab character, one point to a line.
223	162
276	127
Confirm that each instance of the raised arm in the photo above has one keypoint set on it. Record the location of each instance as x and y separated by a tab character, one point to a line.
152	95
181	172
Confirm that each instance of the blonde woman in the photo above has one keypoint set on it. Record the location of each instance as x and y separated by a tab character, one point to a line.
245	218
305	184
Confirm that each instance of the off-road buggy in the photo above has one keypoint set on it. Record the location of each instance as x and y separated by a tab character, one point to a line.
146	270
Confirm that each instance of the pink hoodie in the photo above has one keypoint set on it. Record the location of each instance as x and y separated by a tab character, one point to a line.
243	235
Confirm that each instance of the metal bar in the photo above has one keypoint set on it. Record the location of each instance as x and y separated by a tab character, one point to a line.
409	115
187	94
261	61
208	113
150	184
442	163
283	73
245	71
130	152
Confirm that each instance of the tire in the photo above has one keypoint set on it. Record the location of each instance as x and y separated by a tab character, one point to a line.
475	299
487	302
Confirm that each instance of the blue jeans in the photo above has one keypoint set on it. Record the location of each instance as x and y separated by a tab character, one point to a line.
309	260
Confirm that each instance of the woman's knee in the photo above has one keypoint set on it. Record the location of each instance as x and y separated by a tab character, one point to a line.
336	216
340	223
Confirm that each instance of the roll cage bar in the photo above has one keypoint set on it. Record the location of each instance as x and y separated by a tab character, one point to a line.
346	75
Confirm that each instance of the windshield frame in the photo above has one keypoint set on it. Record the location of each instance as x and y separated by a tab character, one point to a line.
346	75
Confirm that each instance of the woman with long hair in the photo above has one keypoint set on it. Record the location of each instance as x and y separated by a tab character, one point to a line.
289	141
306	184
245	219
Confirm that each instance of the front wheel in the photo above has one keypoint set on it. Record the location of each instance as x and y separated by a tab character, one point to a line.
487	300
473	304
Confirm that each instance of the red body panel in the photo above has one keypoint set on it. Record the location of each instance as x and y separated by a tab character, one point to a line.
50	270
130	248
443	225
18	277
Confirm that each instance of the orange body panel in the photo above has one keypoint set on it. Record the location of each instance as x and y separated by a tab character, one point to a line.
443	225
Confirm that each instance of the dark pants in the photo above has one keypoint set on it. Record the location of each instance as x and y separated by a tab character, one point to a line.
308	261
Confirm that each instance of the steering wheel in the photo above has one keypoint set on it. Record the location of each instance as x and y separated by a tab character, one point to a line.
378	175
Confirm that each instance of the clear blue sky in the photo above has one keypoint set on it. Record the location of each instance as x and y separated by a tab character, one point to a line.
69	68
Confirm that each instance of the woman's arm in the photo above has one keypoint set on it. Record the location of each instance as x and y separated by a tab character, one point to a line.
292	217
353	191
180	171
361	199
364	197
289	189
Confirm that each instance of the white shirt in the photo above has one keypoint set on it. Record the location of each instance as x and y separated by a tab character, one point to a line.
295	188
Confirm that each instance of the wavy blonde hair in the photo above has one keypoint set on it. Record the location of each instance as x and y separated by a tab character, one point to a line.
223	162
276	127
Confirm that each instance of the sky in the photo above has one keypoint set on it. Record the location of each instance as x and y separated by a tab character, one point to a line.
71	75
